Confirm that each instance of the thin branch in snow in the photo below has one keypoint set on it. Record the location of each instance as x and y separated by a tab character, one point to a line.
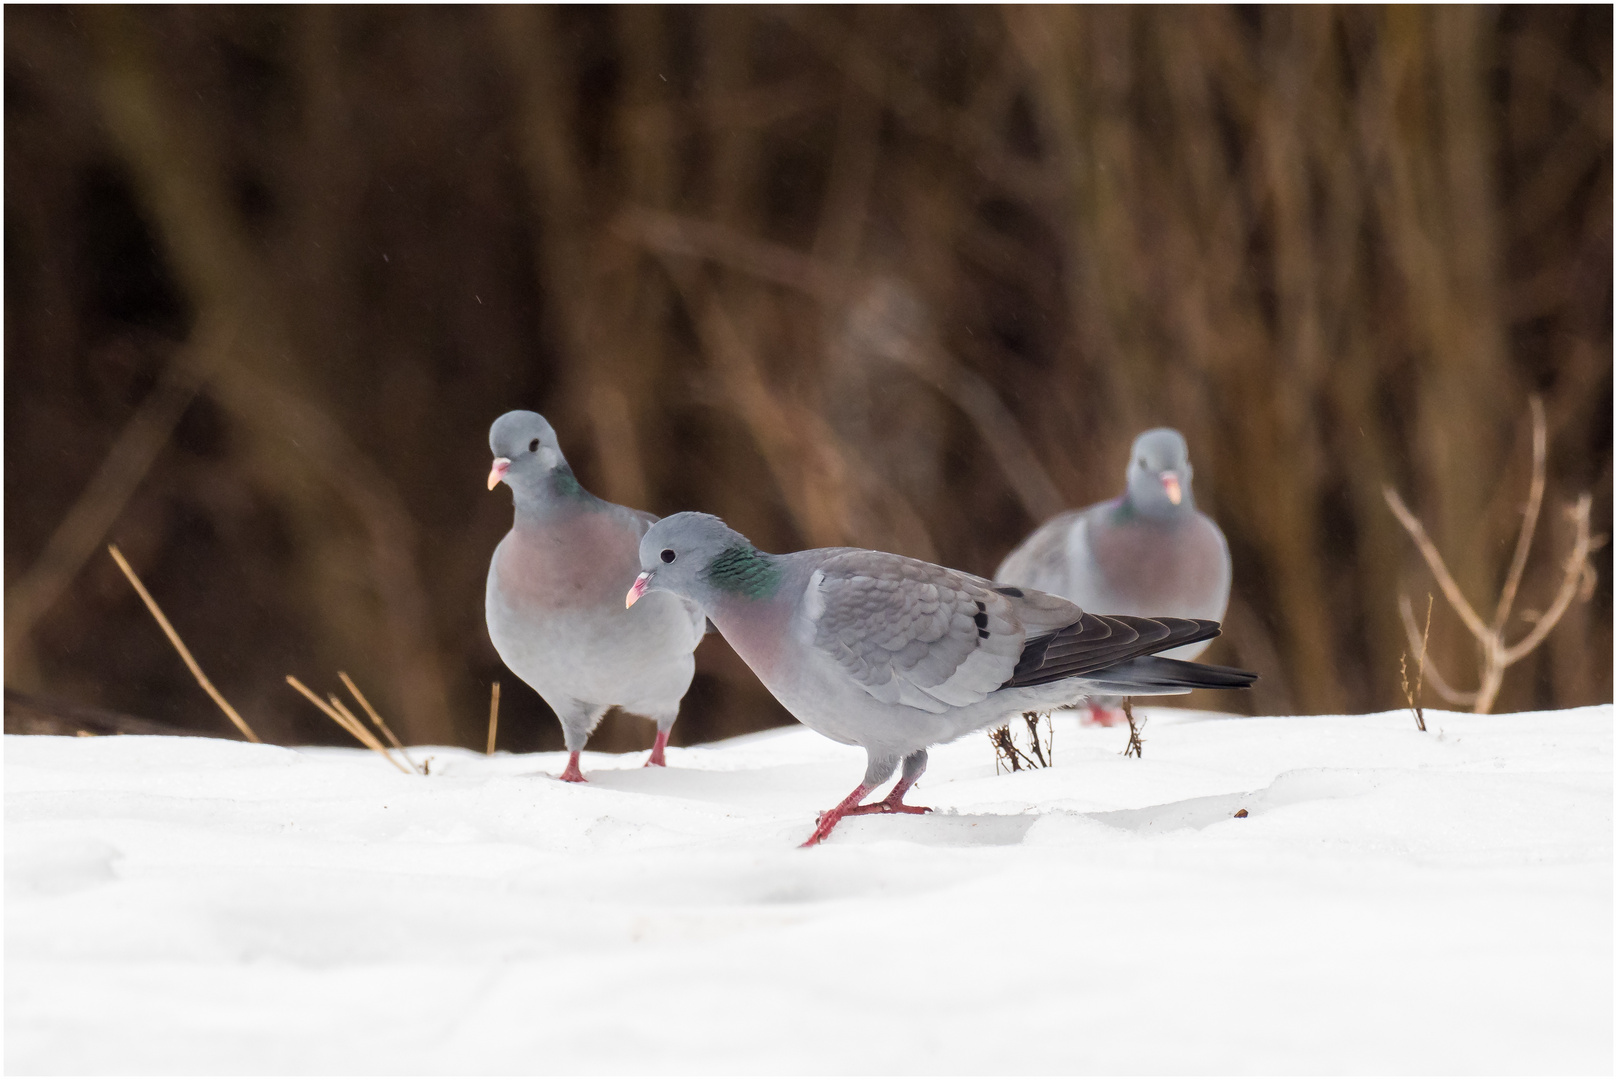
1006	751
1136	745
1031	719
1413	696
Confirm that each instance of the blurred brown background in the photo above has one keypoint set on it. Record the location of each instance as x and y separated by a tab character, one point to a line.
905	278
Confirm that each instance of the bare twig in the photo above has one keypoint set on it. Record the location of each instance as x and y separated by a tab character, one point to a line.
1006	751
1496	654
345	720
1428	551
1136	745
1413	696
1574	571
1031	719
493	713
1524	540
376	718
1416	642
179	646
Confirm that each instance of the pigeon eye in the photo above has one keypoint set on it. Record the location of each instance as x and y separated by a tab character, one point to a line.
533	446
668	555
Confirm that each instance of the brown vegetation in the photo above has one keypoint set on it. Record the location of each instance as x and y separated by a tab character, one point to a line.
1495	654
907	278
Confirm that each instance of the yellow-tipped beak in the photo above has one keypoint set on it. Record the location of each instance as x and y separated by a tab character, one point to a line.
497	473
1170	484
638	589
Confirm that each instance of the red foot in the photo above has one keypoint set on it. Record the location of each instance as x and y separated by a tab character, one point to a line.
1100	716
849	807
657	748
571	773
888	805
828	820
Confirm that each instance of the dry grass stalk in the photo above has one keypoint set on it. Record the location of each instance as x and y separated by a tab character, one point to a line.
1577	575
493	713
346	721
376	718
1413	696
1136	745
179	646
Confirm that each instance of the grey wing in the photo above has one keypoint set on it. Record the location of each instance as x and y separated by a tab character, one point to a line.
908	632
1040	561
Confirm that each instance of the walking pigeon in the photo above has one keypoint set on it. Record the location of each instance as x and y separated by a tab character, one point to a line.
554	591
1148	551
895	654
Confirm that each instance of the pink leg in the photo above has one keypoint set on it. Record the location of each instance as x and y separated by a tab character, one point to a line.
893	804
1101	716
828	820
657	748
571	773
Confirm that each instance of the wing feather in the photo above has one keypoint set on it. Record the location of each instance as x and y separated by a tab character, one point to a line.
913	633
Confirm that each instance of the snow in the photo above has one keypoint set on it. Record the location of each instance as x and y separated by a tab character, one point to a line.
1393	902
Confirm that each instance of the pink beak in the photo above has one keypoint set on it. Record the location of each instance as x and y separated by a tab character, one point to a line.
638	589
1170	484
497	473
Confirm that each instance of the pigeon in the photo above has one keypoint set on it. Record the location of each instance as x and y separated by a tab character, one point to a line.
1147	552
895	655
554	590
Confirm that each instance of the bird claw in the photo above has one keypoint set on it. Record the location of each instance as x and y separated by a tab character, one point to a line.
887	806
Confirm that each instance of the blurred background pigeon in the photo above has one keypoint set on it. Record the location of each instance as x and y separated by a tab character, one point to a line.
1147	552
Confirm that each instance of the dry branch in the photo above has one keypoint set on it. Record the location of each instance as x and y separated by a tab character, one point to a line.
1412	696
179	646
1136	745
1496	655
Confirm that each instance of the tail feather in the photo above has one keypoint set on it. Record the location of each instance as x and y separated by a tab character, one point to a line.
1097	643
1156	674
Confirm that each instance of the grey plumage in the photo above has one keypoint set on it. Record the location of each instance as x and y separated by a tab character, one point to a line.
555	590
1147	552
895	654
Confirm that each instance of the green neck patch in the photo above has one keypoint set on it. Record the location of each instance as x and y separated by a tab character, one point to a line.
564	484
745	570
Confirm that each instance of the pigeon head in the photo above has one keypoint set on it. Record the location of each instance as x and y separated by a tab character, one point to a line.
1159	473
699	557
526	453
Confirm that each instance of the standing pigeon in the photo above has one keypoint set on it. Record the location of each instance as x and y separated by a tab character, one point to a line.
554	590
1148	551
895	655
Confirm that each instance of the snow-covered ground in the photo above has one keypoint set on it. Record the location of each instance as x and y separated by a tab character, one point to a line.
1394	901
